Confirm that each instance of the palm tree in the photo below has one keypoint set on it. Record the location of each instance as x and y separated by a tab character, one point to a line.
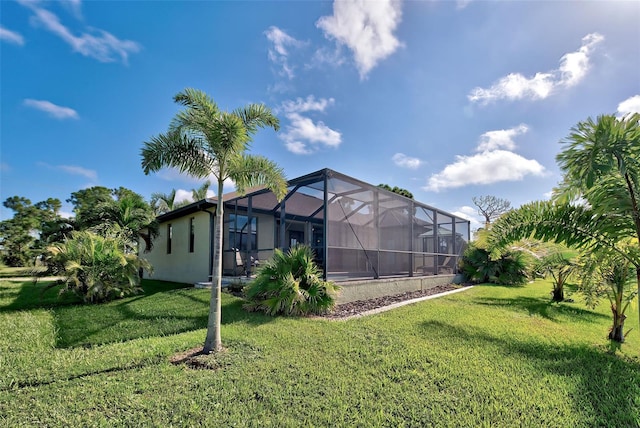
601	164
201	192
163	202
204	141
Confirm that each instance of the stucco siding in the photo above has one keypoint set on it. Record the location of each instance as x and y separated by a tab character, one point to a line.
181	265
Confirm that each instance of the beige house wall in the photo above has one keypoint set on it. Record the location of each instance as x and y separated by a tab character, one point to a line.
181	265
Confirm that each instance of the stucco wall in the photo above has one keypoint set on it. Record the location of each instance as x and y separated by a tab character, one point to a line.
181	265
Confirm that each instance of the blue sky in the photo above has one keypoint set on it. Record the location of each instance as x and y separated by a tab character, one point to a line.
447	99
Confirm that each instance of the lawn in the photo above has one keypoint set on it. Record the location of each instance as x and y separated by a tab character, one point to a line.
489	356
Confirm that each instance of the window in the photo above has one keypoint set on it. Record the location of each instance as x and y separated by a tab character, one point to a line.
242	232
192	234
169	237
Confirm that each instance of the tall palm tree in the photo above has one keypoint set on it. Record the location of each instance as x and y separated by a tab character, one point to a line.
204	141
601	165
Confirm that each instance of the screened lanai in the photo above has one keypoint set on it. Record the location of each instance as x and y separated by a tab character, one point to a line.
357	230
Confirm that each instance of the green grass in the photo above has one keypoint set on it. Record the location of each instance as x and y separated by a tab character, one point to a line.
490	356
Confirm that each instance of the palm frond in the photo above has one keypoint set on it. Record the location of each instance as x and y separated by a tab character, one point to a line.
178	151
256	116
250	170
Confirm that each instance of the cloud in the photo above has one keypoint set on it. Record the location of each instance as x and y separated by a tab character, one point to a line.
4	167
630	105
59	112
404	161
78	170
279	50
75	6
173	174
73	170
304	136
9	36
502	138
572	70
491	165
484	168
469	213
366	27
101	45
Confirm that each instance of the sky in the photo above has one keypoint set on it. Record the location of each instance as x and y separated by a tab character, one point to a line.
447	99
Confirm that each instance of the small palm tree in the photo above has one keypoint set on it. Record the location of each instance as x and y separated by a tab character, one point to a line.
94	267
291	284
560	268
204	141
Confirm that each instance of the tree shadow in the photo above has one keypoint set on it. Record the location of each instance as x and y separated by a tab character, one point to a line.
609	384
545	308
158	314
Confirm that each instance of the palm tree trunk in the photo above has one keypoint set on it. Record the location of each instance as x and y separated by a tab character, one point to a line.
213	341
617	331
558	294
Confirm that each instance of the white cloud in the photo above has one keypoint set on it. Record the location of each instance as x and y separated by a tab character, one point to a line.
73	170
279	50
59	112
484	168
502	138
173	174
309	104
366	27
491	165
303	135
573	68
101	45
183	196
404	161
78	170
462	4
574	65
630	105
471	214
75	6
9	36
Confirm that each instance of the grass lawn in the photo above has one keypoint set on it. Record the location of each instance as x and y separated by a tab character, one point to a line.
489	356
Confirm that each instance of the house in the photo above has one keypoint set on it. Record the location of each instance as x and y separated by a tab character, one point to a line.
368	239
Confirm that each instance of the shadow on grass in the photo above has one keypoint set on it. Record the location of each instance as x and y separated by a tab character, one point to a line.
608	391
158	314
545	308
30	294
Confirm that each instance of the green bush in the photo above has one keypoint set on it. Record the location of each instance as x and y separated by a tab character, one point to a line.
509	269
95	268
291	284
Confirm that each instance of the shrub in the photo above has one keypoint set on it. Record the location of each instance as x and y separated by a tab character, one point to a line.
291	284
94	267
509	269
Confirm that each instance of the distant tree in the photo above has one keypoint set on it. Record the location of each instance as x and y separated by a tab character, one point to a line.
491	207
21	236
396	189
86	206
204	141
163	202
111	212
128	218
201	192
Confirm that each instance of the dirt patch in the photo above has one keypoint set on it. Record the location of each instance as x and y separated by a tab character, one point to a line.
358	307
196	358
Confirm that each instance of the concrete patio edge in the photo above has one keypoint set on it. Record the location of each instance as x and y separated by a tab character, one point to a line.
399	304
